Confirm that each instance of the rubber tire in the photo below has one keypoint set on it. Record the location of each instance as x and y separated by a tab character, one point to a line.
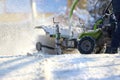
88	43
38	46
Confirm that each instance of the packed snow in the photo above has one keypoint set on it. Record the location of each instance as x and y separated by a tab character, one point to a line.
39	66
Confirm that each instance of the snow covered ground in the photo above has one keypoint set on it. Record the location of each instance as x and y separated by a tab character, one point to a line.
39	66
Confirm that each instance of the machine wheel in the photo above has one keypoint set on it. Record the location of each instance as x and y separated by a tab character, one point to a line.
86	45
38	46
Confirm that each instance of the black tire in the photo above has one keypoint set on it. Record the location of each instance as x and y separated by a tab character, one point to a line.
38	46
86	45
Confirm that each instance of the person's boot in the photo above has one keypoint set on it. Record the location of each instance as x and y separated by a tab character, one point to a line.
111	50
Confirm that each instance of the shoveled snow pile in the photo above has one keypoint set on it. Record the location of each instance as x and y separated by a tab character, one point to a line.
60	67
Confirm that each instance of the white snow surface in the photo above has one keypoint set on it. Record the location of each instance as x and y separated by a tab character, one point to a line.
39	66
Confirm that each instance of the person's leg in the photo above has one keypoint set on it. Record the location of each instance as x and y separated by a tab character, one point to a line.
116	35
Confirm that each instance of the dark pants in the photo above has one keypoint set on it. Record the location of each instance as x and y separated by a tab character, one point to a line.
116	35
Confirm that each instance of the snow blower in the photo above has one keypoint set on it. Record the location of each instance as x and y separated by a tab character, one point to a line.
92	41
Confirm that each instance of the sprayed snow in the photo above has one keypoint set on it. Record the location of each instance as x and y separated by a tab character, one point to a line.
18	38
